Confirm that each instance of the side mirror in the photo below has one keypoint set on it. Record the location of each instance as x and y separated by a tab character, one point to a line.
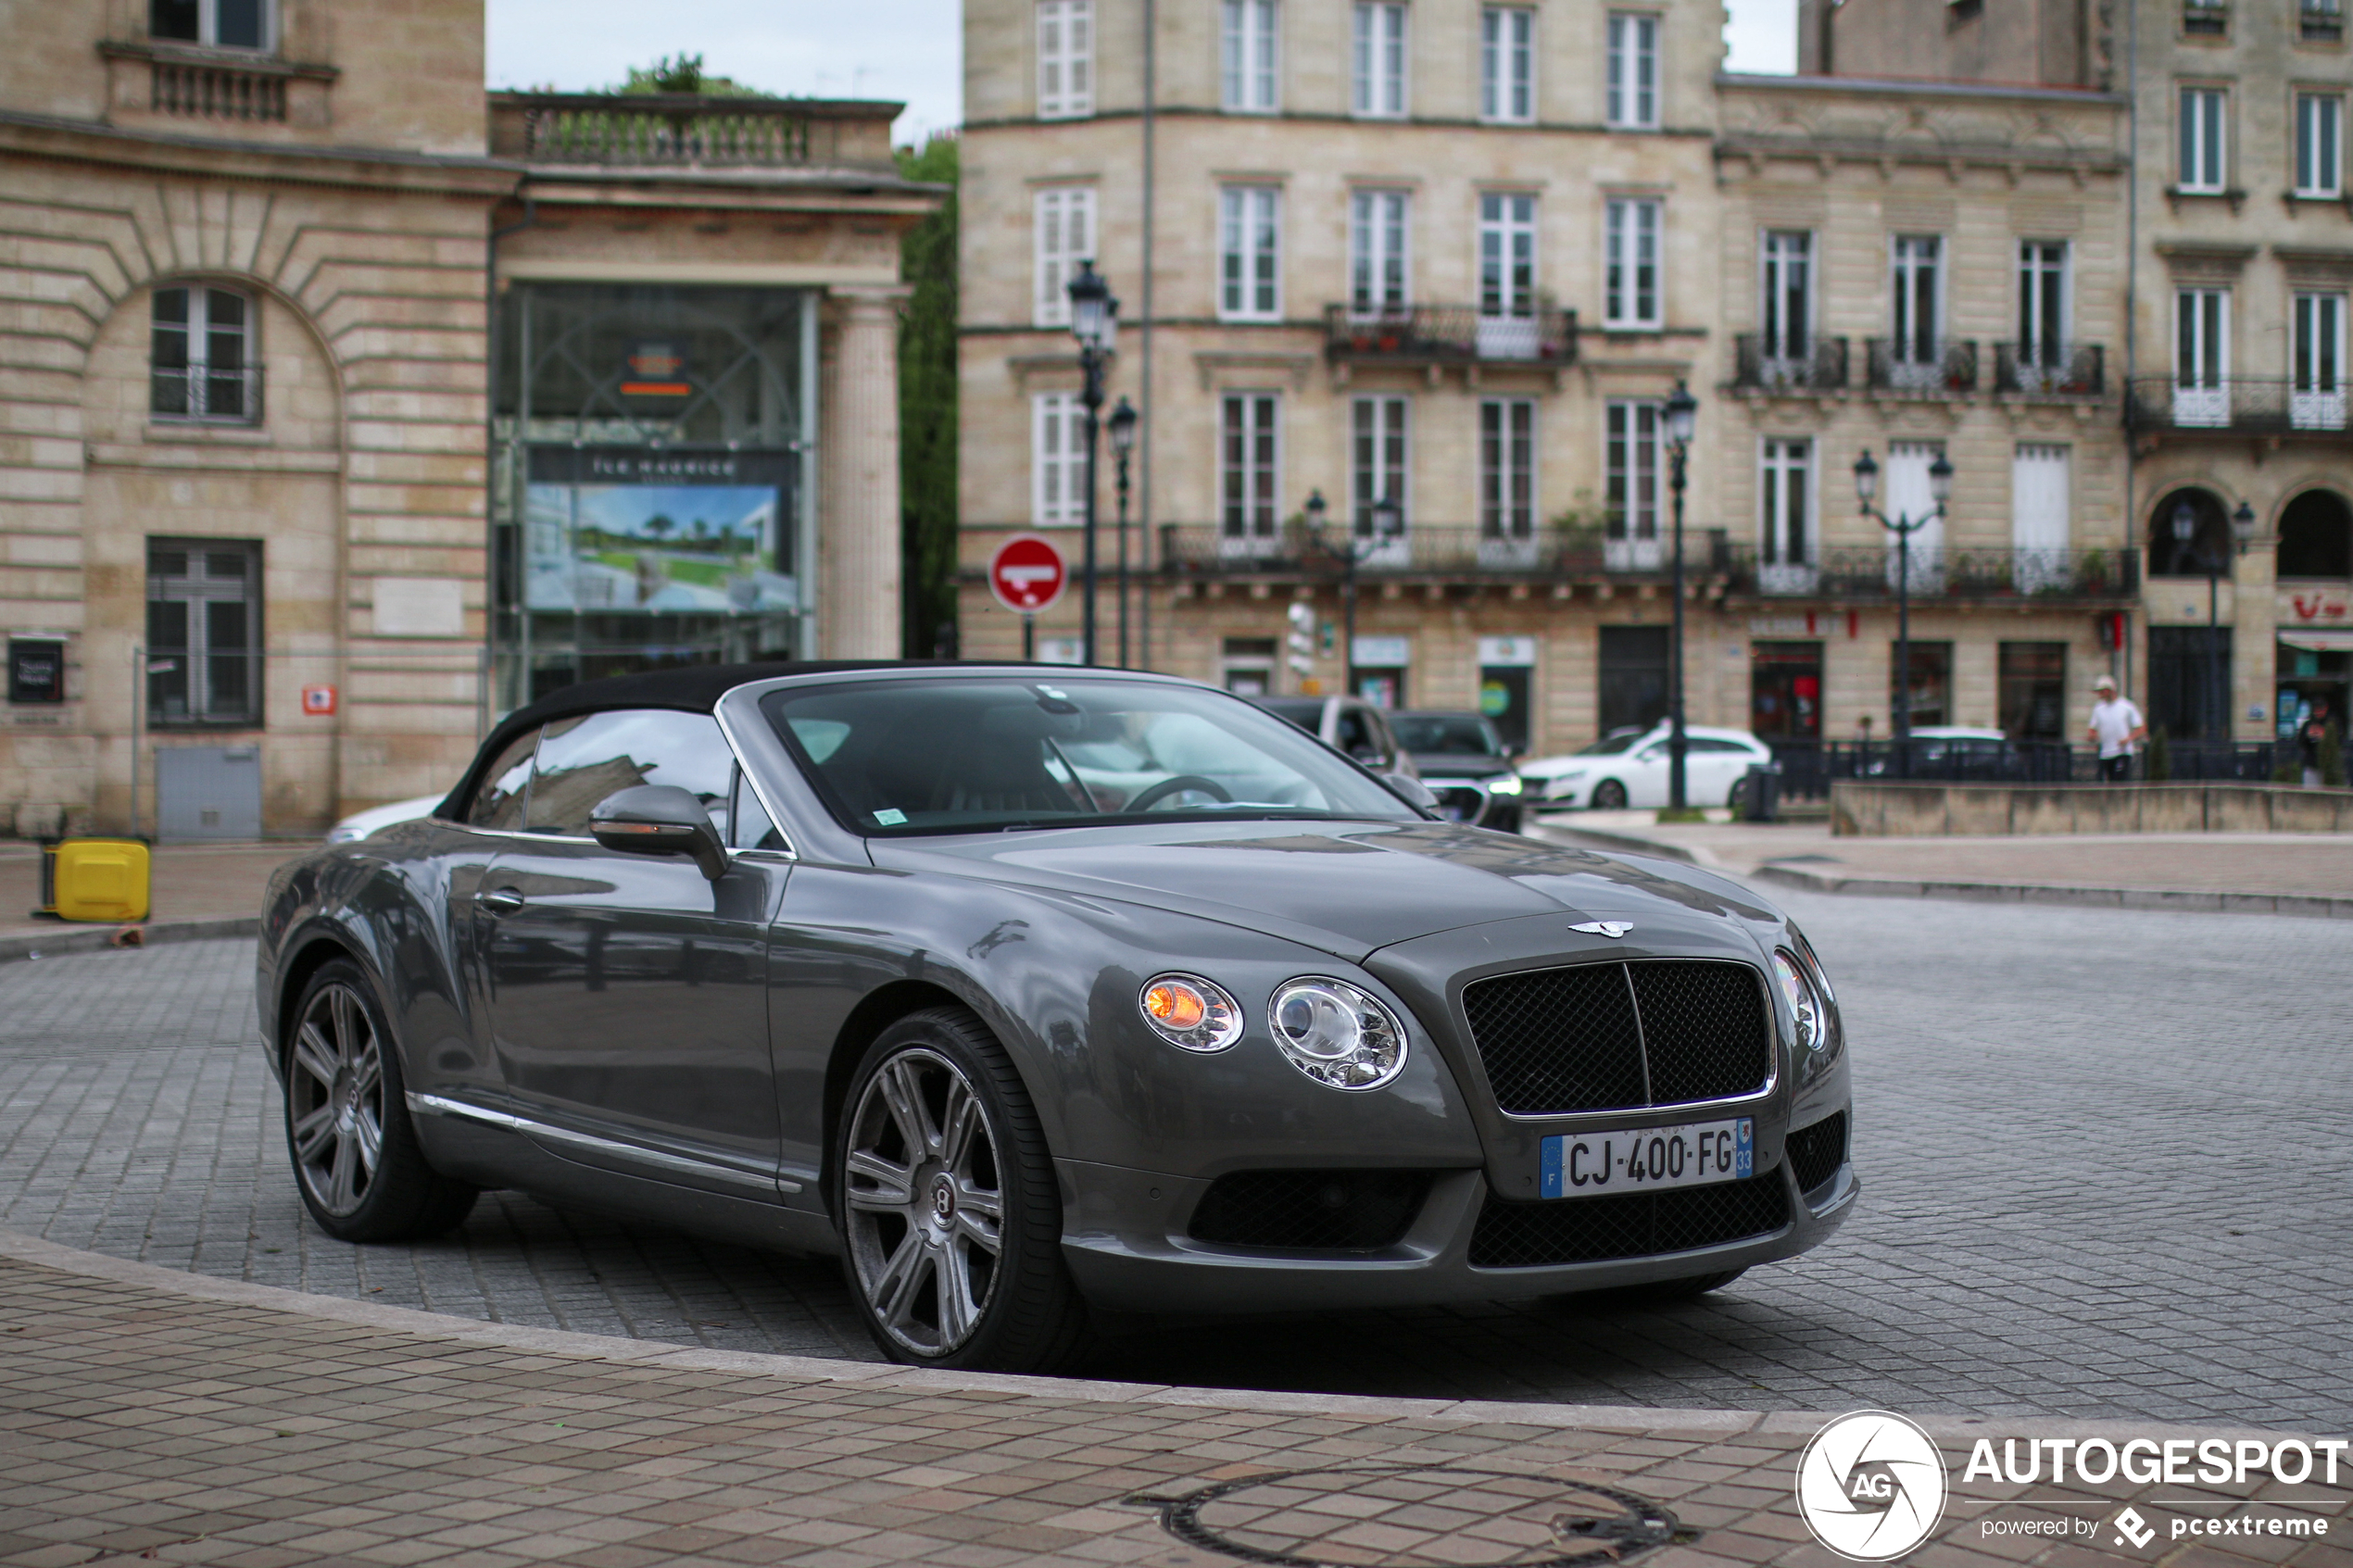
1416	792
659	819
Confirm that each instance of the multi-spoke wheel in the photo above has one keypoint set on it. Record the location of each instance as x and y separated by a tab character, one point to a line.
355	1153
948	1206
1609	796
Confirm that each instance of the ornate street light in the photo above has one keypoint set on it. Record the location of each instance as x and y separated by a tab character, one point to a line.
1682	413
1388	519
1940	489
1094	321
1123	442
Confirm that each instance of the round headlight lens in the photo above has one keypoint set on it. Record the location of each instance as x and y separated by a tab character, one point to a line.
1190	1012
1803	1004
1336	1033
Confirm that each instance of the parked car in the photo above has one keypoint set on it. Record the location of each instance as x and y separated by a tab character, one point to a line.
1463	762
365	824
1627	769
1350	725
854	958
1952	751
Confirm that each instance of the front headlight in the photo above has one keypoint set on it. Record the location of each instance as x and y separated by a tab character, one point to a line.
1336	1033
1190	1012
1813	1028
1508	784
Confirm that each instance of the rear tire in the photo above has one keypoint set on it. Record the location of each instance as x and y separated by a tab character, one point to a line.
1609	796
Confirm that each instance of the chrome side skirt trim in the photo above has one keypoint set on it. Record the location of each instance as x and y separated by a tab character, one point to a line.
438	1105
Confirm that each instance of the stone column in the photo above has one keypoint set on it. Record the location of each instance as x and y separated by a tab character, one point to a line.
2255	609
857	580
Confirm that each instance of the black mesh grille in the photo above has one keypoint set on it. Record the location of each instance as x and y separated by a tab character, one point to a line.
1346	1211
1561	1040
1704	1030
1636	1224
1817	1152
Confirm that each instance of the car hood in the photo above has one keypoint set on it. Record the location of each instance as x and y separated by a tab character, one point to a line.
1348	888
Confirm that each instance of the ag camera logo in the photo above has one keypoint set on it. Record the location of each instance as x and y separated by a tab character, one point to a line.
1871	1485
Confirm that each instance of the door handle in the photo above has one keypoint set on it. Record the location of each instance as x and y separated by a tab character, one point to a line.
502	900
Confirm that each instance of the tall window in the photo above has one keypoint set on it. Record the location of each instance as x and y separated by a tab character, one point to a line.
1633	460
2042	303
1381	58
1378	270
1248	56
201	363
1507	326
1507	468
1785	487
1788	306
204	632
2319	144
2201	356
1377	467
1633	72
1915	260
1507	63
1629	282
1057	460
2316	400
1249	455
1065	59
1064	233
1248	254
2041	502
2203	149
225	24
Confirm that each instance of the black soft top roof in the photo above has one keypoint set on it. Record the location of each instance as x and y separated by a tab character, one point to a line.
691	688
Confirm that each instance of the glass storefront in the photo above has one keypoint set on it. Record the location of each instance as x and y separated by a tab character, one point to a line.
649	507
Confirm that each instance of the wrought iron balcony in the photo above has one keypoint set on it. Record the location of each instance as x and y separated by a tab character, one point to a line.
1869	572
1424	550
1448	334
688	129
2053	371
2240	405
1943	367
1817	365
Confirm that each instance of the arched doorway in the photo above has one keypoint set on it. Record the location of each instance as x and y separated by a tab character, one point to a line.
2189	668
2208	546
2316	536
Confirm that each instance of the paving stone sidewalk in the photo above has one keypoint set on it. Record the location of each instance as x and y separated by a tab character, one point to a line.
148	1417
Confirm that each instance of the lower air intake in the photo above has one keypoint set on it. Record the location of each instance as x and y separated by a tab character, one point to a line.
1310	1211
1635	1224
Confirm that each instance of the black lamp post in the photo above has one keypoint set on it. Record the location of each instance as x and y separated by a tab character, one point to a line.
1123	442
1682	412
1388	525
1094	321
1940	489
2214	558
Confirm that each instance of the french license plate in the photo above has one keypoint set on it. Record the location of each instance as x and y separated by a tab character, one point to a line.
1648	1159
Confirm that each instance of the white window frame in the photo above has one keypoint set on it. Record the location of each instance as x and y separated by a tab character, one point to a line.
1066	59
1380	466
1061	235
2316	361
2045	326
204	383
2202	139
1631	86
1634	478
1916	307
1381	269
1057	460
2202	356
1788	545
2319	144
1508	65
2041	535
1508	473
1780	339
1507	324
1633	282
1250	253
209	27
1379	59
1249	57
1250	473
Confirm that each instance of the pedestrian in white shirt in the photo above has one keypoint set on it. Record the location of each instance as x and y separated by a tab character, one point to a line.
2117	729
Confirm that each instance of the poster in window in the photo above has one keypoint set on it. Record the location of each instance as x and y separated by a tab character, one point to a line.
663	531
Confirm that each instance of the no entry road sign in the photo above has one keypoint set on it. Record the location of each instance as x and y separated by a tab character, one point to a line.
1026	573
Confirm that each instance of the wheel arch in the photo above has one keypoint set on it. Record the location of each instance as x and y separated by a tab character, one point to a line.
876	1011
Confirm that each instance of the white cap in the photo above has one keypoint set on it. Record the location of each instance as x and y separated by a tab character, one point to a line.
2105	683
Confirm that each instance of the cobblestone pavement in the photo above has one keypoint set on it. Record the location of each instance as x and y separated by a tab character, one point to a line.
2104	1154
190	1424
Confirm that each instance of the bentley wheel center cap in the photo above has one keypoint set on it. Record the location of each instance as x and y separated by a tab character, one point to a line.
943	1199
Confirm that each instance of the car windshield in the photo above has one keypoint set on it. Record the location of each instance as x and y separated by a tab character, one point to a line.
978	755
1446	735
1610	746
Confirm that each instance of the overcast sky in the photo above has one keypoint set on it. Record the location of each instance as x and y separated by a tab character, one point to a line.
903	49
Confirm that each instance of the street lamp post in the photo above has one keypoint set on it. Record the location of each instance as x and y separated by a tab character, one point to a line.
2214	558
1682	412
1389	525
1123	442
1940	489
1094	321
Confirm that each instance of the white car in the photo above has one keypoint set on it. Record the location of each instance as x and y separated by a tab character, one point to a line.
364	825
1629	769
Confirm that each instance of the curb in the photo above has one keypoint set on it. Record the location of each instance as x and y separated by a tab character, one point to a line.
2308	906
101	939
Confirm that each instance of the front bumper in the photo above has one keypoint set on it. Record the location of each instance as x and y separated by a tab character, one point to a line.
1123	1239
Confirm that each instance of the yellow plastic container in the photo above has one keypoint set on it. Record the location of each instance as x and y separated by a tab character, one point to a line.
95	879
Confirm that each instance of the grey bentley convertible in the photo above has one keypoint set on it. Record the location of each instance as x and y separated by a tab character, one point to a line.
1028	990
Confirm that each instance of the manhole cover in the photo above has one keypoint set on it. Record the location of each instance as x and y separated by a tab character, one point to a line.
1416	1516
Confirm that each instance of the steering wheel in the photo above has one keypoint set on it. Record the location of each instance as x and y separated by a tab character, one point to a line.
1145	799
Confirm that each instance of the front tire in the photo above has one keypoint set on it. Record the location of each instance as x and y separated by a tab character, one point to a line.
1609	796
950	1217
355	1151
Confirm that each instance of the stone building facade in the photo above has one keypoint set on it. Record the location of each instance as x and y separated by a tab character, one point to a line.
261	467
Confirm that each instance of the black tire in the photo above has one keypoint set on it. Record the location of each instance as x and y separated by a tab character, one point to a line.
345	1099
1609	796
915	1228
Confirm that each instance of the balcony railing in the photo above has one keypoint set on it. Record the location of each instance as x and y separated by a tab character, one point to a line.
1869	572
1442	334
206	395
1426	550
1818	365
688	129
2042	370
1945	368
2239	405
1809	768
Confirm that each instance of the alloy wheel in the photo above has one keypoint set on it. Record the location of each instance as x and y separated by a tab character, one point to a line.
334	1086
923	1201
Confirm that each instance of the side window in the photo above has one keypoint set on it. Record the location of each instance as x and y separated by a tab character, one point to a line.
749	825
582	761
1356	735
499	799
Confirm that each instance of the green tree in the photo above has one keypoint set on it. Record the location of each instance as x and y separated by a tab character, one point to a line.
682	74
928	407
